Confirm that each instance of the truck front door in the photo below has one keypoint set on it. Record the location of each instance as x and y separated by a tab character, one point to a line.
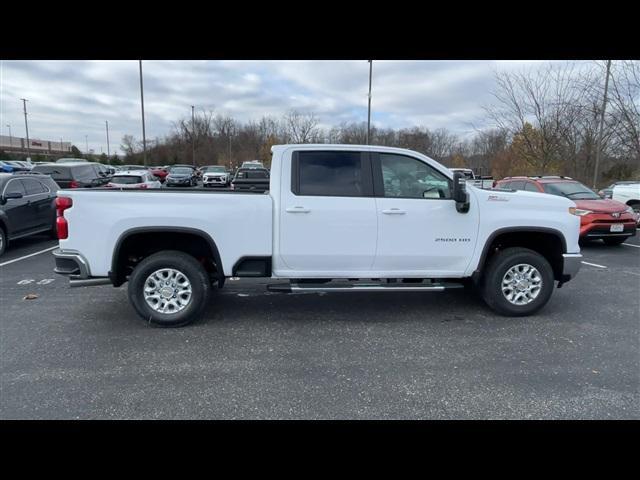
328	221
420	232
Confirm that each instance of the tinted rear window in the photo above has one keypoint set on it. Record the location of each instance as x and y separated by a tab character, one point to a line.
84	173
33	186
127	179
330	174
253	173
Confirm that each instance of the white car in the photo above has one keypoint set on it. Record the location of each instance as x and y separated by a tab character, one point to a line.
629	194
336	218
134	179
215	176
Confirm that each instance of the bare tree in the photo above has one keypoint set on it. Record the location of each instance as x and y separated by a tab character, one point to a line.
301	127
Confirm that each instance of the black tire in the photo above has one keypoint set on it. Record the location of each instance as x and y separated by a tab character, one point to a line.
491	285
3	241
190	268
614	240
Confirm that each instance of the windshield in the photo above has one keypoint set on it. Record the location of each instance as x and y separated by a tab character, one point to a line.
571	190
214	169
181	171
126	179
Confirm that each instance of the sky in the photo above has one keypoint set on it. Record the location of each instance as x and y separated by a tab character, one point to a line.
71	99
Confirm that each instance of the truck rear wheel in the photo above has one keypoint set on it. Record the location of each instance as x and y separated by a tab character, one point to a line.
169	289
517	282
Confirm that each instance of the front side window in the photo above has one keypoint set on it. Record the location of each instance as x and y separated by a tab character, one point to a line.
336	174
530	187
406	177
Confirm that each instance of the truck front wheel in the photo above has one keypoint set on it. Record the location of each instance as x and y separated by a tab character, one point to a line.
169	289
517	282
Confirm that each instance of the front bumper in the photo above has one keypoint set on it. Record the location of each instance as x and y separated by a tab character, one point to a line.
571	265
598	225
74	266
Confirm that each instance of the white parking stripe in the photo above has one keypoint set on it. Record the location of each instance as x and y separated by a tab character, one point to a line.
27	256
631	245
594	265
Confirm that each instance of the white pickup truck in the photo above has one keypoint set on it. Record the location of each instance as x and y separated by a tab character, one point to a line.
336	218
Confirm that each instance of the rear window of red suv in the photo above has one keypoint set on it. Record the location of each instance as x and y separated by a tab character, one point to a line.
571	190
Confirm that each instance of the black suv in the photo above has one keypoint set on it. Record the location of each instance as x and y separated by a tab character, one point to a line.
27	206
75	175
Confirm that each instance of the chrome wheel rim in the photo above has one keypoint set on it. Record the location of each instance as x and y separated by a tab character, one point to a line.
521	284
167	291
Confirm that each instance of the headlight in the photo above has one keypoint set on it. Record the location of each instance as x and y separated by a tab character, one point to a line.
579	211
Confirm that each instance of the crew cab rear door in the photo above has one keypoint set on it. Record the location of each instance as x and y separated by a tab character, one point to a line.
420	232
328	221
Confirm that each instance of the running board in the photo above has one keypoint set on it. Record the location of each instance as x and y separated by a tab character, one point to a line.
361	287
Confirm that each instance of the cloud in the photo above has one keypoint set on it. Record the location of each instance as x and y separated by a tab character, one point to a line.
71	99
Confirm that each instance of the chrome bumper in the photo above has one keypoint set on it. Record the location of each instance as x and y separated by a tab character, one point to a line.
73	265
571	264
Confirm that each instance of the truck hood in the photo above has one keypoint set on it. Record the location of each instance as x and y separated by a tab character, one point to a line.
601	206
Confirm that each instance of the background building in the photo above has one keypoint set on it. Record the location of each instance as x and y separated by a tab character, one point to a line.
36	146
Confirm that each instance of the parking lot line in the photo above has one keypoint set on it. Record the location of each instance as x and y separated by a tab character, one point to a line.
27	256
631	245
594	265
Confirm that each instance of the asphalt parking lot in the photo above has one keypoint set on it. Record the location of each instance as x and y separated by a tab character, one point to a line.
84	353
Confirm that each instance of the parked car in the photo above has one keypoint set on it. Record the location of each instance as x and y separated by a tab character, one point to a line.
20	165
74	175
251	179
160	173
328	223
607	192
27	206
181	177
609	220
475	180
134	179
215	176
9	166
629	194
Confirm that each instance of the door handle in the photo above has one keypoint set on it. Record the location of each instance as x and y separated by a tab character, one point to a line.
394	211
297	210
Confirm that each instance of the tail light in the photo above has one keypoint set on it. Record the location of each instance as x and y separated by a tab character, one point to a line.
62	227
144	185
74	184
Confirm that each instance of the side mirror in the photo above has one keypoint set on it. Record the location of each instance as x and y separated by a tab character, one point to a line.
460	194
13	195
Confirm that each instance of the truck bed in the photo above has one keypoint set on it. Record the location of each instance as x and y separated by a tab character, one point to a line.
240	223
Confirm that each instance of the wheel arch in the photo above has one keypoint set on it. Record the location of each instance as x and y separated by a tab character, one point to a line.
117	274
549	242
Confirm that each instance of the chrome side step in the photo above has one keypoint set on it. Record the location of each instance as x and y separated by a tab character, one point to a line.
362	287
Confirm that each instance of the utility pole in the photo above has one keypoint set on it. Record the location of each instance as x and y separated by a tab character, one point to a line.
144	137
604	106
369	110
61	145
10	136
193	136
26	126
107	124
86	141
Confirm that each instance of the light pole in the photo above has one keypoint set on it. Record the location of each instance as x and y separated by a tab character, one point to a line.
369	109
193	136
107	124
86	141
10	136
604	106
144	137
26	126
61	145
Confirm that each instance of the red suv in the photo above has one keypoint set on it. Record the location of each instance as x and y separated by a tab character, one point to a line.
600	218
